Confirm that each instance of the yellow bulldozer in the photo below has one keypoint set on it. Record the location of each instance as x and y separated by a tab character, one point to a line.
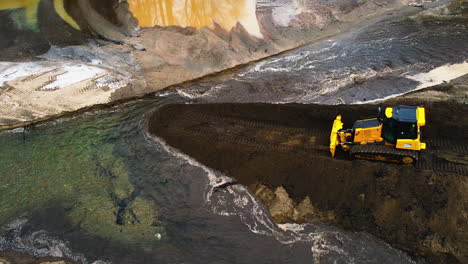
394	136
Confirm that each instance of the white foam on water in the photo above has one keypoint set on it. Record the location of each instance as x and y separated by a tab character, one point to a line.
166	94
240	201
37	243
335	80
292	227
185	94
13	131
214	179
294	62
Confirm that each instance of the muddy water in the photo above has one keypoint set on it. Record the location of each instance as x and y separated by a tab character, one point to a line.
195	13
377	61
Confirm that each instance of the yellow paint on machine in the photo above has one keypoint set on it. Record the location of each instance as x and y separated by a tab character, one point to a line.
31	6
196	13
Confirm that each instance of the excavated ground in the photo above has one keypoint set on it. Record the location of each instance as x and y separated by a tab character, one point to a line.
421	209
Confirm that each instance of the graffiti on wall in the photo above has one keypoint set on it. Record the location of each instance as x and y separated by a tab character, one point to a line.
26	12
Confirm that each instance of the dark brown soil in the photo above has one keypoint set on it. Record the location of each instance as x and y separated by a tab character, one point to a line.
419	208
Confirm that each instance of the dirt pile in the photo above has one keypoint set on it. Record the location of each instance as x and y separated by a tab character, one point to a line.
421	209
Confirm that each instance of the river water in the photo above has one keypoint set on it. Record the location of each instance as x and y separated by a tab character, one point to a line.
377	61
198	222
98	188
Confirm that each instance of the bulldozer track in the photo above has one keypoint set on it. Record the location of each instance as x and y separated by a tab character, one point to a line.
383	150
431	158
251	123
257	144
443	166
447	145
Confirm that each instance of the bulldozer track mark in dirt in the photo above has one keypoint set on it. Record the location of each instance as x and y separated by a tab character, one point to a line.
441	165
433	157
231	125
447	145
254	123
256	144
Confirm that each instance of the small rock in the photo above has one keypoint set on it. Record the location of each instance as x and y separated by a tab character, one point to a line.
282	207
304	210
139	47
158	236
362	197
265	195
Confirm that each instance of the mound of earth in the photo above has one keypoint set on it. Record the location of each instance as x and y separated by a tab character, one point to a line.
281	153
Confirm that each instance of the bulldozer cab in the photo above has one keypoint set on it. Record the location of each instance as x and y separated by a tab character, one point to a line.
401	126
393	130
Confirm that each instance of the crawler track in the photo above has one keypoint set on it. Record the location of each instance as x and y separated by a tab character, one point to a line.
391	154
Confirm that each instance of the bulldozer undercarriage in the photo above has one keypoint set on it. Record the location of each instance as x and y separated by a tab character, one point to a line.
384	153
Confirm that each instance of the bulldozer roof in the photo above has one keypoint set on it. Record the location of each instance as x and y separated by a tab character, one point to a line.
405	113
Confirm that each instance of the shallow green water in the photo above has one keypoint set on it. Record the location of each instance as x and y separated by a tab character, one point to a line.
73	163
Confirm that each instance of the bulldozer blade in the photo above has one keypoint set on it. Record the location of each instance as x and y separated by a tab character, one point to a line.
334	137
